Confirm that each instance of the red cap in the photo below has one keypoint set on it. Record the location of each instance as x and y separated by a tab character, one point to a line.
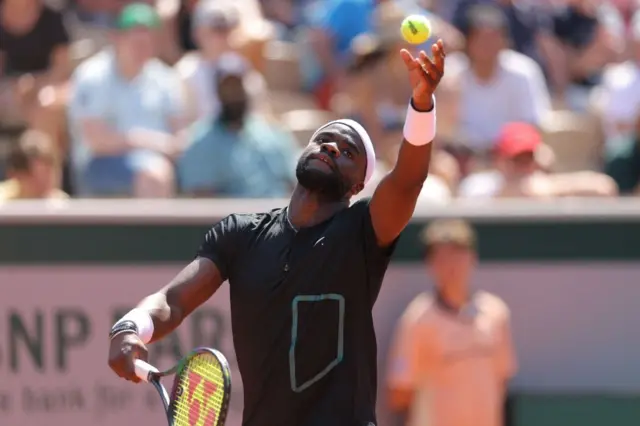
517	138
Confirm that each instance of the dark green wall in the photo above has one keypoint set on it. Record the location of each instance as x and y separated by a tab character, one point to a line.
140	243
576	410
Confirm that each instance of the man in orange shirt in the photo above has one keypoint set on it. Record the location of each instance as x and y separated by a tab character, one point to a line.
452	355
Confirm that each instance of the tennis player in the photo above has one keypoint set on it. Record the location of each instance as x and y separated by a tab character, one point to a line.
304	278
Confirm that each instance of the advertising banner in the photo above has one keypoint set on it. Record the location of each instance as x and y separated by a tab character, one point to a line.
573	327
54	325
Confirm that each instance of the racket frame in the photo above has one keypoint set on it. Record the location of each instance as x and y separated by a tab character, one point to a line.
169	400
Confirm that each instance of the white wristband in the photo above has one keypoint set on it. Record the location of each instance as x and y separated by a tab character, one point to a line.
143	322
420	127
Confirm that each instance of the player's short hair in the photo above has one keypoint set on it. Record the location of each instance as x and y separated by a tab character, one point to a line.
448	231
32	145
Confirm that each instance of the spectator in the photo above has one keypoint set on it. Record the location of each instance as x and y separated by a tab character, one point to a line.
530	30
126	111
452	356
213	23
285	14
34	170
525	23
333	26
92	20
592	35
622	160
179	32
238	153
33	54
621	92
491	85
518	172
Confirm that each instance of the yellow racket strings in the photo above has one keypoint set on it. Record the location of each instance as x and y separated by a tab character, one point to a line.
202	384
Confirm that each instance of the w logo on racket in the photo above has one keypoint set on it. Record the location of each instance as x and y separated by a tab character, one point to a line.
201	390
200	393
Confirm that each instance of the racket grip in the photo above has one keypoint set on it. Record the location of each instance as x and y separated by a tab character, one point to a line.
143	369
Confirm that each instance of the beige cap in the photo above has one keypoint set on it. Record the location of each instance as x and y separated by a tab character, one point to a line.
449	231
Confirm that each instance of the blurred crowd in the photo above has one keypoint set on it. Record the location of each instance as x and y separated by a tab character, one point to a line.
215	98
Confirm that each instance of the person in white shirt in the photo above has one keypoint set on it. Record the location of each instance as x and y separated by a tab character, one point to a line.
490	85
213	23
125	114
620	100
521	170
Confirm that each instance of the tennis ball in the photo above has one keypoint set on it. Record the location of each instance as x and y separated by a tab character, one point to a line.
415	29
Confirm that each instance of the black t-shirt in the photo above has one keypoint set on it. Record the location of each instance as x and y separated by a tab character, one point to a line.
301	314
31	52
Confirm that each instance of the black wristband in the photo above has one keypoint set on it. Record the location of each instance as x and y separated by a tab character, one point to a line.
419	110
123	326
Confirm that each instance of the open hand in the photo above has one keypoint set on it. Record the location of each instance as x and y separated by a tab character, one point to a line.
425	74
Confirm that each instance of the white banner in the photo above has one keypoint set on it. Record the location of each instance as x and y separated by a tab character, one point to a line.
54	324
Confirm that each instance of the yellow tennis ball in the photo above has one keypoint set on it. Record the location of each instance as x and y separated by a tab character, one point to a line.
416	29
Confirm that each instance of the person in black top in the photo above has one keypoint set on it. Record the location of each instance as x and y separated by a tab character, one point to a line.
33	54
304	278
31	36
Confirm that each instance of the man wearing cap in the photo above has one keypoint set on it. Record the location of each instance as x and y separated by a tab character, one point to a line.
213	23
452	355
304	278
522	165
125	112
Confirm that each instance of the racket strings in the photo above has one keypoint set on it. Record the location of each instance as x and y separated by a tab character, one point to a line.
200	397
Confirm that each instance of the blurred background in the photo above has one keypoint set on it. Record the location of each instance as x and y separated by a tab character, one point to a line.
128	128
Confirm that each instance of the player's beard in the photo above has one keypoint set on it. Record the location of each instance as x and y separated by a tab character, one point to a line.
329	186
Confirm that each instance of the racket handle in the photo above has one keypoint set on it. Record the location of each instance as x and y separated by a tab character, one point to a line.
143	369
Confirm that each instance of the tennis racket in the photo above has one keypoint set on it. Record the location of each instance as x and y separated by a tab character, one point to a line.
201	388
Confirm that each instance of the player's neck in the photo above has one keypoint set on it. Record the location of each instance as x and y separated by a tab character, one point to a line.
307	209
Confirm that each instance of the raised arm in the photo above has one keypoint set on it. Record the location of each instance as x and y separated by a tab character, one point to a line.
395	198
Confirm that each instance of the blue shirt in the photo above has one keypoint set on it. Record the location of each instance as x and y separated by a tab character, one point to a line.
256	162
148	101
343	20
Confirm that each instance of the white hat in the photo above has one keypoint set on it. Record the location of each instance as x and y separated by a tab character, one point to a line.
215	14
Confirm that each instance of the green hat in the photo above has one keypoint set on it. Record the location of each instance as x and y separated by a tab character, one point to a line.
138	15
